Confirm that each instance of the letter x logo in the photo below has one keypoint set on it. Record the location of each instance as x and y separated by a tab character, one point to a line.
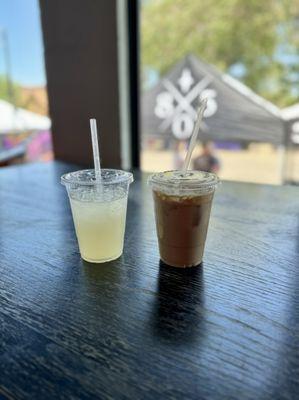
177	110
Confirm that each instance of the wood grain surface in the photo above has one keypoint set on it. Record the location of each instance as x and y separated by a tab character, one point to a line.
134	329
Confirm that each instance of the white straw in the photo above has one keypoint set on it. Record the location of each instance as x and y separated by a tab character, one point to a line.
201	110
95	148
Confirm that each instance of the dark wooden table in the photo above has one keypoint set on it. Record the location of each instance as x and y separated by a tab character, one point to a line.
132	329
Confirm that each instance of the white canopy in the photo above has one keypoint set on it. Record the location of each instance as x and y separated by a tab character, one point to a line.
16	120
291	112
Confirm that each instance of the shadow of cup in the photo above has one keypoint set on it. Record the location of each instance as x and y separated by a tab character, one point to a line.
178	310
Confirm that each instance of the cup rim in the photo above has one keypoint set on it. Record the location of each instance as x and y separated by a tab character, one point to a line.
86	177
176	180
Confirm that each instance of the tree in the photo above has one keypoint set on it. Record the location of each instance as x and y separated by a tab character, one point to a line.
4	91
226	33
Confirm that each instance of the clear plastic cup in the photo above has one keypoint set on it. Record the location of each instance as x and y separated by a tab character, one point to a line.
99	211
182	211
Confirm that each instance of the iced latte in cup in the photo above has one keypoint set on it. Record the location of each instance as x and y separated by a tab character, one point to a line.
183	204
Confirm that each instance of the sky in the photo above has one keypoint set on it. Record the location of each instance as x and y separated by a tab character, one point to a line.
21	20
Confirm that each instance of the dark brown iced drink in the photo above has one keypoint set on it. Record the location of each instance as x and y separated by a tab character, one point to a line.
182	211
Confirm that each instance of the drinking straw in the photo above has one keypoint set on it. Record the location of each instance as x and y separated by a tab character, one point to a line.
201	109
95	148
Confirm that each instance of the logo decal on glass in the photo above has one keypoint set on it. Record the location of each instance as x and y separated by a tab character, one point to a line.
175	106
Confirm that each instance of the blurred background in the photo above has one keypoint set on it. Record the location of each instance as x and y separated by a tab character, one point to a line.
24	123
242	55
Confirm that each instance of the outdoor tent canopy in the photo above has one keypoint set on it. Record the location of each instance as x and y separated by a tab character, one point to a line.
16	120
291	115
234	113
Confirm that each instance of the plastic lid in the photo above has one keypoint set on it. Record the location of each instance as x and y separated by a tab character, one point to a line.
177	181
86	177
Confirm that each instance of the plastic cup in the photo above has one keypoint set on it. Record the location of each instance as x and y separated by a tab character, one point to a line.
183	204
99	211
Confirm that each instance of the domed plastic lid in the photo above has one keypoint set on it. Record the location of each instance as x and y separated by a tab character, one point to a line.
176	182
86	177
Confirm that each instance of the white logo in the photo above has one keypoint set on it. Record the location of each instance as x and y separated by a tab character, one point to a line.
182	126
175	106
186	80
164	107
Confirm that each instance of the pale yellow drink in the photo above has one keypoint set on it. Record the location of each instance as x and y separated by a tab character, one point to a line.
99	208
100	228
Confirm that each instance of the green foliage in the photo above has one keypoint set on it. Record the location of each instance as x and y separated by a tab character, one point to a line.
4	91
224	33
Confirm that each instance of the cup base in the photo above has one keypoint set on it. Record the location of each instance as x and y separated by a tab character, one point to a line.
181	266
102	260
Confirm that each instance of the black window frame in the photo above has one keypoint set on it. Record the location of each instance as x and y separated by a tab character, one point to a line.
134	81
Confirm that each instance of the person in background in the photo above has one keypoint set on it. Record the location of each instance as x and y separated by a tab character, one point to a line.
207	160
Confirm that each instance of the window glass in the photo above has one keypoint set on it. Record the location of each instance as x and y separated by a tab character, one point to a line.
24	126
244	58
